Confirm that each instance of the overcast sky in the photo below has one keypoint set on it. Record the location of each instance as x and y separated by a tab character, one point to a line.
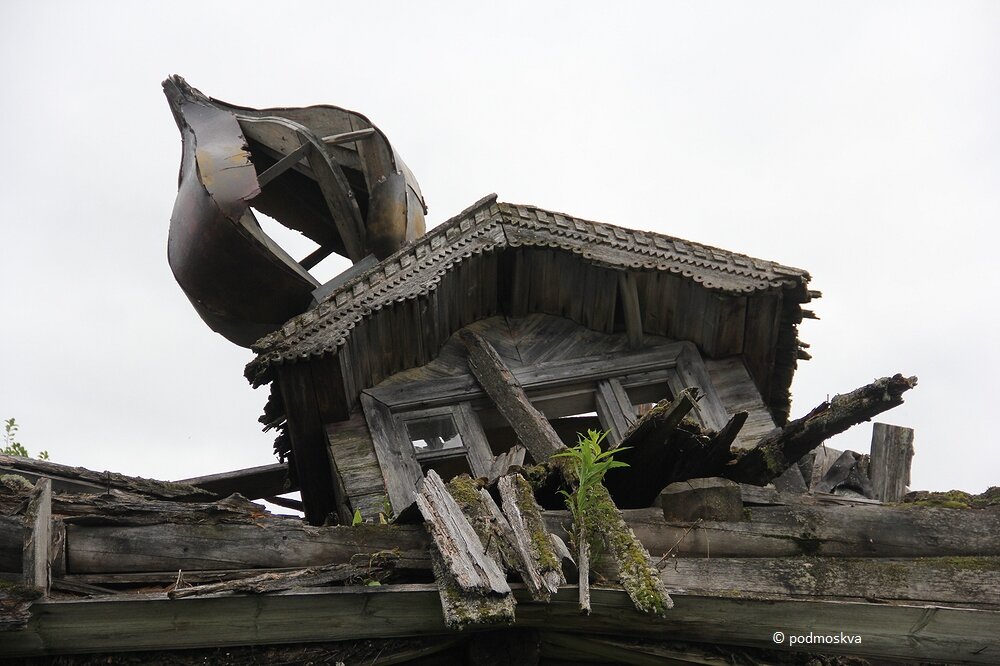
856	140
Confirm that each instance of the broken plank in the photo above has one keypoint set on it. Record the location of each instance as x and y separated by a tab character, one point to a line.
456	541
530	535
37	566
891	456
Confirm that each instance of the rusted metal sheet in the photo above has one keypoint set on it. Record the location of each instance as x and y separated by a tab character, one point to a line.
323	171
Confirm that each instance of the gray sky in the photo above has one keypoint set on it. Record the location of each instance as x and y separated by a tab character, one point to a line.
856	140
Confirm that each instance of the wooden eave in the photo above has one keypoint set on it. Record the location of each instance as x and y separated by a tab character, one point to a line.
497	258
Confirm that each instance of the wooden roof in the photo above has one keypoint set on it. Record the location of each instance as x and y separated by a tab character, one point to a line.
489	228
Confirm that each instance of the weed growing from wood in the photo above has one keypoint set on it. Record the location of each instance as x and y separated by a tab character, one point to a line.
588	464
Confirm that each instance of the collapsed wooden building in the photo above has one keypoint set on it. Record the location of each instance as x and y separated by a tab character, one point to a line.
428	403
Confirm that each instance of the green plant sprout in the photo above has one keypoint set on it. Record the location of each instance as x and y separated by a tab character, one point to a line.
11	446
588	464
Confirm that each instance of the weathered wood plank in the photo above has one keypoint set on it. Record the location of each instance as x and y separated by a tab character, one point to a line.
456	541
629	293
37	560
151	621
531	539
399	468
614	408
535	432
252	483
91	481
288	543
832	531
891	455
309	451
969	581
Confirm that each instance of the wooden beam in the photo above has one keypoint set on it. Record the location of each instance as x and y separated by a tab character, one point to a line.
92	481
252	483
531	427
456	541
531	539
831	531
313	464
37	567
284	164
968	581
778	450
154	622
891	456
629	294
222	547
400	468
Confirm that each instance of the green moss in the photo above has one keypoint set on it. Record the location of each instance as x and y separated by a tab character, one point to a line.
968	563
747	514
465	490
638	578
15	482
542	546
953	499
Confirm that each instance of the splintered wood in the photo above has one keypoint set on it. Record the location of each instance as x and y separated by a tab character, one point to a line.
473	588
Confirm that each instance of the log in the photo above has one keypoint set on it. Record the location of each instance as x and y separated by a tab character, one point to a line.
830	531
781	448
965	581
904	632
127	509
89	479
377	570
496	379
223	547
891	456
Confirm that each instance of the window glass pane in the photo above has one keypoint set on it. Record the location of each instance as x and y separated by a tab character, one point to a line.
436	433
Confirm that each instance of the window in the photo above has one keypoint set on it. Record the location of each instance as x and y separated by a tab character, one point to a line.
448	424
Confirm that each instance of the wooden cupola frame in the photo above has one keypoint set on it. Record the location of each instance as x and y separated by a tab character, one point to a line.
575	308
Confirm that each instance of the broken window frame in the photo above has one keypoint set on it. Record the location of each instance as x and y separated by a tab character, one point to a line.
674	366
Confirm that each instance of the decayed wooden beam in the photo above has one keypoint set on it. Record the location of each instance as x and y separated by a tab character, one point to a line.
252	483
92	480
37	567
473	589
287	580
969	581
531	538
891	456
535	433
781	448
905	632
662	450
832	531
456	540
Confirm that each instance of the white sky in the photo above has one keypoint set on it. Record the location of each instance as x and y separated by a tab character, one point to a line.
856	140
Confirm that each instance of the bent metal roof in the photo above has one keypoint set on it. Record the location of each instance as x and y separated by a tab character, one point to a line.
487	226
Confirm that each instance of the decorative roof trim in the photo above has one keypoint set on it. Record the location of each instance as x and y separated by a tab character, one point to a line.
486	226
